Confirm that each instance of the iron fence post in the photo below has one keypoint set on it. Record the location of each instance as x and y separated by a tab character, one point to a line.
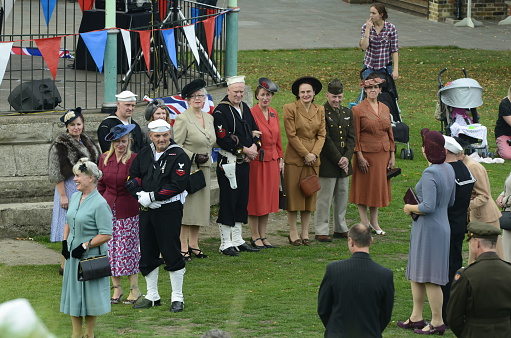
110	63
231	44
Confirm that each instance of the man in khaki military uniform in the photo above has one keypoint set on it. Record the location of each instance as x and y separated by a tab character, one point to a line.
480	302
335	167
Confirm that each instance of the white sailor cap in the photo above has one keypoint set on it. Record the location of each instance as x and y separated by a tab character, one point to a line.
235	79
158	126
451	145
126	96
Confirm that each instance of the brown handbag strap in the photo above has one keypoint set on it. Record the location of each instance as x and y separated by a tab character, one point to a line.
302	171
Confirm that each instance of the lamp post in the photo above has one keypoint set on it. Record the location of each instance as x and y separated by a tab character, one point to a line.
231	45
110	64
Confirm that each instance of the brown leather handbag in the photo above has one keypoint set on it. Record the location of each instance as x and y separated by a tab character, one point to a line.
310	184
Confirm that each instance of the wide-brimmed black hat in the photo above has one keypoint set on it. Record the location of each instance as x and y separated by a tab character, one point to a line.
315	83
71	115
268	84
192	87
119	131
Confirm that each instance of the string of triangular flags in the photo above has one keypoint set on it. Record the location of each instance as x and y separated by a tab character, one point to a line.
95	41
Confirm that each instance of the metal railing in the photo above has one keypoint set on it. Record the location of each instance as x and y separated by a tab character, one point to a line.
78	81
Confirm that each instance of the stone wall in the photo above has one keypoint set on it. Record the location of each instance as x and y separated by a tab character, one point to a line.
440	10
26	195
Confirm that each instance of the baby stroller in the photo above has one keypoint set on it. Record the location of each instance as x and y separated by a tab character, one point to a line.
401	131
457	111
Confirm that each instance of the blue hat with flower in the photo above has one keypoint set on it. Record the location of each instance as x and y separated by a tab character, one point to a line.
119	131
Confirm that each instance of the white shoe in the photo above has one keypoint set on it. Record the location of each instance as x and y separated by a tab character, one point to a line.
379	232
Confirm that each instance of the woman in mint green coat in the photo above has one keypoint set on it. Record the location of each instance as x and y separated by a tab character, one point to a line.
89	222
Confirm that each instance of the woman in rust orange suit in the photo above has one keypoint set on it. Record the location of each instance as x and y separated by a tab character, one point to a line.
374	154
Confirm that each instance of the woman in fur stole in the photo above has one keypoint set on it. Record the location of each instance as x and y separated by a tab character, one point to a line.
64	152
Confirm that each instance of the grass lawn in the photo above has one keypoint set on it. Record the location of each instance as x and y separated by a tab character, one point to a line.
274	293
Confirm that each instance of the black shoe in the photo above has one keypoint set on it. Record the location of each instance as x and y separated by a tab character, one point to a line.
197	255
245	247
143	303
177	306
267	246
186	256
254	245
230	251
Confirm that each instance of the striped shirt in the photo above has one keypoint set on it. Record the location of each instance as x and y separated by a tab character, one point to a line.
381	46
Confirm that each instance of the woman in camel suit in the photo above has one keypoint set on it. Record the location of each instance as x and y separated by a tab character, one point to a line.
195	133
304	122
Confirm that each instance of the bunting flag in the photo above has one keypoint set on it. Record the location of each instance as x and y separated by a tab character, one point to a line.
145	43
5	47
96	44
194	13
85	5
209	30
218	24
127	44
50	48
32	51
48	6
170	43
190	36
8	5
162	8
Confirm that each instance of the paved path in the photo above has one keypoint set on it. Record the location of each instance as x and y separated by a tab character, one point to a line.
291	24
26	252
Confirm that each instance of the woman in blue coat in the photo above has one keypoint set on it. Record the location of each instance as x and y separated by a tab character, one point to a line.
428	259
89	223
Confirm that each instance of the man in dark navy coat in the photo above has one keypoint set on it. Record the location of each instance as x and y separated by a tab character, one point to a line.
356	295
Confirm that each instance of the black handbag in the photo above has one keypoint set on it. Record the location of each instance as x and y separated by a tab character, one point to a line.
93	267
505	220
393	172
196	181
282	194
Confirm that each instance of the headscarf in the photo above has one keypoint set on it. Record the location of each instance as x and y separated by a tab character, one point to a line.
433	143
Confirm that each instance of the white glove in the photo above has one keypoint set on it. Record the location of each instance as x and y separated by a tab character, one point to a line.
144	198
155	205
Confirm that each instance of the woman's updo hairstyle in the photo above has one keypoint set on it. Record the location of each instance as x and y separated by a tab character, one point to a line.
89	168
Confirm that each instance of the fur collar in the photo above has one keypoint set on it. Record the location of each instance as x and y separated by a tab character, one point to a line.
65	151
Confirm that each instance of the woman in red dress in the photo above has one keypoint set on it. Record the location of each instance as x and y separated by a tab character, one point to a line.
123	247
265	170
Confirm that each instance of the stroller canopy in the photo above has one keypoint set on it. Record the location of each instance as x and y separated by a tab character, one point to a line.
462	93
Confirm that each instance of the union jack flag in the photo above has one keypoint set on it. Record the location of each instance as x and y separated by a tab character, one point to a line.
64	53
177	105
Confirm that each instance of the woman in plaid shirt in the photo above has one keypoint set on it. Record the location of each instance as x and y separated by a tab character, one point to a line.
379	41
